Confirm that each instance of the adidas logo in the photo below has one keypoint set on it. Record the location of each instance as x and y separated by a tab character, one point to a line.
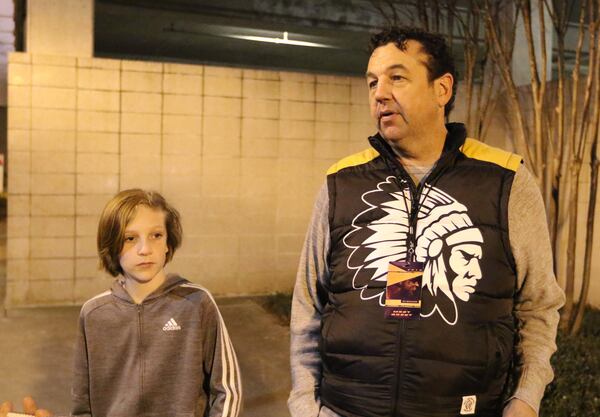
171	325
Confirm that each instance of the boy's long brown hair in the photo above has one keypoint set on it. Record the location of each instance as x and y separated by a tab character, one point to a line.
117	214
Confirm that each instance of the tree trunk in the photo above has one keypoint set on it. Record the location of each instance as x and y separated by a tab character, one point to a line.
589	239
571	250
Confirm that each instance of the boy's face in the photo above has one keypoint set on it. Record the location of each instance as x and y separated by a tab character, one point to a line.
144	250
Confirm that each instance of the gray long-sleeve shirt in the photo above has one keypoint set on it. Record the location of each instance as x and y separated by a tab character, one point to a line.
168	356
537	300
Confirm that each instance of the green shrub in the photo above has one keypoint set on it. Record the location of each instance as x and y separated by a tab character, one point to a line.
575	391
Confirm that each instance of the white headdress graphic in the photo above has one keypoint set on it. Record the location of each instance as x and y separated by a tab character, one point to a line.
446	239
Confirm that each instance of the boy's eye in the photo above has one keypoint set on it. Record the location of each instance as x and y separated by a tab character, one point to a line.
158	235
129	238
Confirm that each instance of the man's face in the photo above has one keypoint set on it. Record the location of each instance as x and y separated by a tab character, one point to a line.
402	101
464	261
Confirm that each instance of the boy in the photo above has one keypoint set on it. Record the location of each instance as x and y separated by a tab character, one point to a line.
155	344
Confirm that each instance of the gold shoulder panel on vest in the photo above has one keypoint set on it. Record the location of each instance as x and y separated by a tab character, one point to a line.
478	150
357	159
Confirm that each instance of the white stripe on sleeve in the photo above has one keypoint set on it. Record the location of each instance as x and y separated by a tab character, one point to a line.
231	378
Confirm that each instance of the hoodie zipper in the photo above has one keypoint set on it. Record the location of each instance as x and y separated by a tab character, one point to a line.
141	353
119	292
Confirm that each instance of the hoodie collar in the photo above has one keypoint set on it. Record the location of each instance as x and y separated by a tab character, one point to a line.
171	281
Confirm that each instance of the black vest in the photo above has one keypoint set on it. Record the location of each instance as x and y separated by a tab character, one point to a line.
457	356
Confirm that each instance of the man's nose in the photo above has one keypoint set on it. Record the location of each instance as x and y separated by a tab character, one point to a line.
382	90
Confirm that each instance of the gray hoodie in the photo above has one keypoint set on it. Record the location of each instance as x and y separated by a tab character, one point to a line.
168	356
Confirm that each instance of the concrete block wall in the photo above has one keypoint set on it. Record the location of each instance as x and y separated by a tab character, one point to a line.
241	153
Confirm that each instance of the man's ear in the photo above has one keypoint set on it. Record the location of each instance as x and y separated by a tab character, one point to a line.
443	88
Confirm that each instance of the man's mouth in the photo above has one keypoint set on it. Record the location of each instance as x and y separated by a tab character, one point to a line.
385	114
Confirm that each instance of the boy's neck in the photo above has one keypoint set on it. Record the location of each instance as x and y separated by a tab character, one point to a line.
138	291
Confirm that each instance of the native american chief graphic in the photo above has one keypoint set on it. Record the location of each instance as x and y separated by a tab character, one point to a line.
447	243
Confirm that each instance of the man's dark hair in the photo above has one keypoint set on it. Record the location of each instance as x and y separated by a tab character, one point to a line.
440	59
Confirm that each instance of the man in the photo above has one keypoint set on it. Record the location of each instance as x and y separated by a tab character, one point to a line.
469	217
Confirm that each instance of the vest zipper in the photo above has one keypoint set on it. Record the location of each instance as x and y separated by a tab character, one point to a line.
415	196
400	356
415	191
141	353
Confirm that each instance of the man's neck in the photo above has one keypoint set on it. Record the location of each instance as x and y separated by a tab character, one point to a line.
420	152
